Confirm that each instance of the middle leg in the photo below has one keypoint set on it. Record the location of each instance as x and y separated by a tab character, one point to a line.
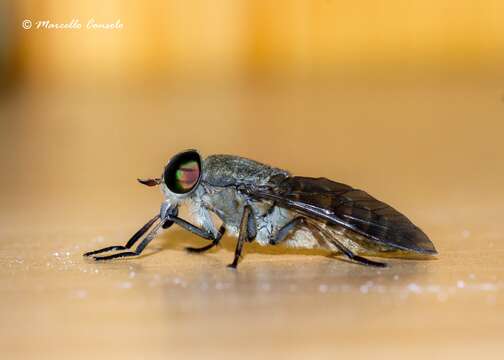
247	233
215	242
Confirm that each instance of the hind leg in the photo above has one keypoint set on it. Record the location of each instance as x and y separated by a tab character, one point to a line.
300	222
330	239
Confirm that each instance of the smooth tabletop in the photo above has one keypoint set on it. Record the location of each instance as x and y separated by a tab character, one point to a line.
434	151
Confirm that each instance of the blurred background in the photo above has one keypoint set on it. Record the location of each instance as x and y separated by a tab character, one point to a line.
403	99
366	92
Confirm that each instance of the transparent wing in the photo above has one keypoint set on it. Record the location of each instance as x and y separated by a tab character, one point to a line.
340	204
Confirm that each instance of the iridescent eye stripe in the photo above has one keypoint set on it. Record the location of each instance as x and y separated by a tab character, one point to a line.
187	175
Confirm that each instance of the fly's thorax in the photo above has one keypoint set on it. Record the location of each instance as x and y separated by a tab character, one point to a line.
230	170
226	202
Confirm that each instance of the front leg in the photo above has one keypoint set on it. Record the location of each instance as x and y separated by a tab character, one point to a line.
131	241
150	236
248	232
207	230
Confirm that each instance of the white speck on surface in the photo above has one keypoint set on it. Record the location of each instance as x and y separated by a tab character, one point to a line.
180	282
96	271
396	277
403	295
460	284
487	287
56	254
466	233
80	294
125	285
433	289
472	276
414	288
346	288
204	286
323	288
491	299
381	289
132	274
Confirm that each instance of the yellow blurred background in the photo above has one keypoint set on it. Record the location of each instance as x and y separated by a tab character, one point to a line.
195	39
404	99
351	90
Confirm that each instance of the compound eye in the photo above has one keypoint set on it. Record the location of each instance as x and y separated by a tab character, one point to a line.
183	172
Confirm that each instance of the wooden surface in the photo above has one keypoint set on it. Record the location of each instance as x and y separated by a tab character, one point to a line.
433	149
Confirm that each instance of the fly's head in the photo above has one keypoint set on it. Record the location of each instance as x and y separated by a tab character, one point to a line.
180	179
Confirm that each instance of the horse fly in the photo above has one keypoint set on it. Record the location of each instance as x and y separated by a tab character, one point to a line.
266	204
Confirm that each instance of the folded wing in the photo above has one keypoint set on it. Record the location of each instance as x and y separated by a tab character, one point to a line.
340	204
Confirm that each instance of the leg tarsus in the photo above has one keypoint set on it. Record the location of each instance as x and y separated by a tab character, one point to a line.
115	256
363	261
150	236
130	242
214	243
233	265
109	248
199	250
